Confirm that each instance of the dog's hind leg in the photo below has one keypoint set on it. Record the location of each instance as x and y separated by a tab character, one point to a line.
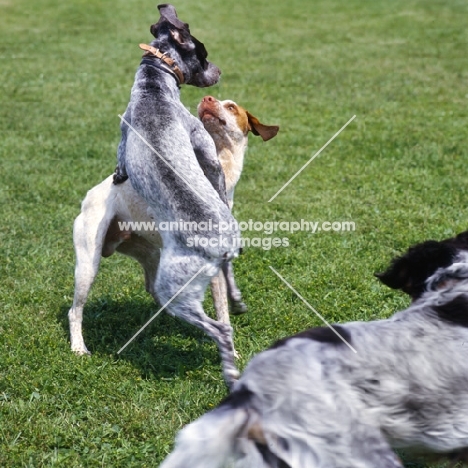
89	238
181	283
147	255
88	248
235	296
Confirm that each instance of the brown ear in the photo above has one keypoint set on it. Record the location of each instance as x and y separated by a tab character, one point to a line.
267	132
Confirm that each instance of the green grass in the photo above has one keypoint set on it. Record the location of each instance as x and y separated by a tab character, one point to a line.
398	171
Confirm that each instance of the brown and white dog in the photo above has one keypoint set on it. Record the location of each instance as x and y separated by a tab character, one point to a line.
97	232
228	124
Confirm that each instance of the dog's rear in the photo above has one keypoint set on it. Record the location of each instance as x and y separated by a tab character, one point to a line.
230	435
210	442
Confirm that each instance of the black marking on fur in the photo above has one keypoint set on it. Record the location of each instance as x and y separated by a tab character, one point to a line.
370	386
320	334
283	443
460	241
119	176
239	398
270	459
156	63
455	311
410	271
413	408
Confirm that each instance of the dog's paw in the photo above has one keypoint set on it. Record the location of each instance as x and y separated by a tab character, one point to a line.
81	351
238	308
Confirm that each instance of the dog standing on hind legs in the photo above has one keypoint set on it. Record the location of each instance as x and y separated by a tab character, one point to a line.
108	207
172	135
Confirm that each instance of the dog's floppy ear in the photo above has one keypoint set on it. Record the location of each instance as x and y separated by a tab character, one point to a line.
168	13
267	132
179	30
397	275
410	271
461	240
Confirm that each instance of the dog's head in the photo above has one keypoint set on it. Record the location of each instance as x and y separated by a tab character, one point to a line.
411	271
227	119
173	37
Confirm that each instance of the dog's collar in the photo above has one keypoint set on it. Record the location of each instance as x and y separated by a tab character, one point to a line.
173	68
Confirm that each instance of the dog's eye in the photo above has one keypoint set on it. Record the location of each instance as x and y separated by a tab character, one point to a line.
231	107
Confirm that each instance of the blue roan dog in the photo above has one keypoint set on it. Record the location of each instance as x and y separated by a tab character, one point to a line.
172	164
310	402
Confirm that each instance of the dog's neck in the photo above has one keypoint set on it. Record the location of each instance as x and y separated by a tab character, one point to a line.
156	63
154	56
151	75
231	156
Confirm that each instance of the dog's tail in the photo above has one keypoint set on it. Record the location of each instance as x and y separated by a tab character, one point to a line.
224	437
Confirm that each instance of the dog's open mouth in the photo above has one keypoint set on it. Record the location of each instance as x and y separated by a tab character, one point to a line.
206	116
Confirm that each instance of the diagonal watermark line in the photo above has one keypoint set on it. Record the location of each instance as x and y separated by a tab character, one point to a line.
312	158
311	308
160	310
160	157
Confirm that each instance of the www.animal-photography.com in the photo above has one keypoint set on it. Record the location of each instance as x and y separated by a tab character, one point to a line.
291	181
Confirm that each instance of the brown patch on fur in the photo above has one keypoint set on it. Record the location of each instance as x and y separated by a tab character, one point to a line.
241	116
255	432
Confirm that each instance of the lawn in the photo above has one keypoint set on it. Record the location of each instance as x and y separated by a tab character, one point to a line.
398	171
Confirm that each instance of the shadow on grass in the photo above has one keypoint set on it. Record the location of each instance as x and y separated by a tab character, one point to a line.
168	347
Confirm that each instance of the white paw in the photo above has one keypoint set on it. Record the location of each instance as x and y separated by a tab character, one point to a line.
80	350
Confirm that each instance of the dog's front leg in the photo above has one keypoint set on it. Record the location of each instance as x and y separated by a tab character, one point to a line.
219	293
120	174
205	151
220	300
